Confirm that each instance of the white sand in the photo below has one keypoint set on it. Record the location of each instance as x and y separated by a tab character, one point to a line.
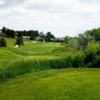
16	46
25	42
34	42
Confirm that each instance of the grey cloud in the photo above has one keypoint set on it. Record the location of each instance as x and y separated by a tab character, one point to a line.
11	3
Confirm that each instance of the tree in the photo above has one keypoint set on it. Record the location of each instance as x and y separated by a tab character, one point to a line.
4	30
3	42
83	40
35	33
8	33
90	52
97	35
49	36
66	39
12	33
41	34
32	38
20	34
19	41
24	33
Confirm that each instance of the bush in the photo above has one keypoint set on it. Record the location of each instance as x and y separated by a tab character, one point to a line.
94	64
3	42
90	53
79	59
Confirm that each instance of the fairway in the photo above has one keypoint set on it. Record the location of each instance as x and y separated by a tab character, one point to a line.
65	84
33	50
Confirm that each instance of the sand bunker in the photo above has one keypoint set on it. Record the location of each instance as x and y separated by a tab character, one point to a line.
34	42
25	42
16	46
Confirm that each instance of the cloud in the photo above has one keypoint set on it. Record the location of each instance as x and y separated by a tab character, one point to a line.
2	2
57	16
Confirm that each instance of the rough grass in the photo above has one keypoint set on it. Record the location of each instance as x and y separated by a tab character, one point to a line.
13	68
63	84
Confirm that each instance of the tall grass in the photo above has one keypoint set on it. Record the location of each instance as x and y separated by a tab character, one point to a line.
22	66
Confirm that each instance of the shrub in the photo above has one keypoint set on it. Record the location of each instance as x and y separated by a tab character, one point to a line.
61	63
79	59
89	65
90	53
94	64
3	42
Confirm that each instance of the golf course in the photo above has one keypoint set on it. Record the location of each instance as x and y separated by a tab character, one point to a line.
40	71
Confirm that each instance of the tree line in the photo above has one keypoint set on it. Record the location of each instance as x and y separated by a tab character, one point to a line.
31	33
87	49
89	36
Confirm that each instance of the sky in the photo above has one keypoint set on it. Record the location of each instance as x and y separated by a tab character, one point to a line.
60	17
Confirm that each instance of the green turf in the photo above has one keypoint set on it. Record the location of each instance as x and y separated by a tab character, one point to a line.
33	50
65	84
62	84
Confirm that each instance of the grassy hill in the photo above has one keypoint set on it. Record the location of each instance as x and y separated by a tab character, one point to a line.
65	84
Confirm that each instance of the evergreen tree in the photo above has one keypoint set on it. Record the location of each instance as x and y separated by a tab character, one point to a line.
3	42
4	30
8	33
24	33
20	34
12	33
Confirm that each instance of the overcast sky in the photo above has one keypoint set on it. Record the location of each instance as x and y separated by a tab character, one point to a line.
60	17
